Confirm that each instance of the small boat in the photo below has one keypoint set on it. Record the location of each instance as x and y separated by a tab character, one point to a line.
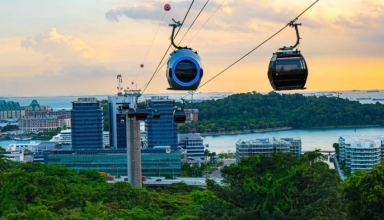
369	98
375	90
378	99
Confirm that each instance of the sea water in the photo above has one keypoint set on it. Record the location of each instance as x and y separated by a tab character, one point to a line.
311	139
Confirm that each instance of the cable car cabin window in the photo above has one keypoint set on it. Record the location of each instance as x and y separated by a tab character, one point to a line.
290	73
185	71
288	65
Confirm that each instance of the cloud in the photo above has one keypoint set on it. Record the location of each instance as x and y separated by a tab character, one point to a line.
58	47
66	57
88	71
370	15
249	16
145	11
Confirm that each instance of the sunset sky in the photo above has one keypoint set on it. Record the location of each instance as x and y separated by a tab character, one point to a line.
76	47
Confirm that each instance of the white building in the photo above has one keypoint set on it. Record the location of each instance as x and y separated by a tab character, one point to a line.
65	137
193	143
261	146
16	156
360	152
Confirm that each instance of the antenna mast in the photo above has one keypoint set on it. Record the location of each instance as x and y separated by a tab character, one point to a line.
119	86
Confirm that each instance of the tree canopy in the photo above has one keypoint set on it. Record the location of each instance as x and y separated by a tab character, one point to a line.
249	111
277	186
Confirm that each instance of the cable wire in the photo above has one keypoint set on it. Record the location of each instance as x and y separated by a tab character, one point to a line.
206	21
256	47
194	21
149	49
157	68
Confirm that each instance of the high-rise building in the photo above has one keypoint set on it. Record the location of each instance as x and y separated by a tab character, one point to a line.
117	121
87	124
162	131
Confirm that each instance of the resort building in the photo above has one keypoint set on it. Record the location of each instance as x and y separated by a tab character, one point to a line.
360	152
39	118
10	110
267	146
64	121
192	115
87	124
38	123
193	144
36	107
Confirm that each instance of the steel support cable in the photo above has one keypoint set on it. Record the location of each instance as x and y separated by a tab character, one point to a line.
186	33
157	68
162	65
150	47
206	21
193	21
256	47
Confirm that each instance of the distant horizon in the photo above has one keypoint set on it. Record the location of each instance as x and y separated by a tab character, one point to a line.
170	93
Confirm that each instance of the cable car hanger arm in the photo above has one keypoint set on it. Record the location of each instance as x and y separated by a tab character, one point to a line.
174	26
293	24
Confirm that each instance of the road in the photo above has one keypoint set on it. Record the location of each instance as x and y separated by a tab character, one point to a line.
226	162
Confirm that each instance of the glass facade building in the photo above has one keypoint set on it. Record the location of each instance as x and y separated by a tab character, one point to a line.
162	131
113	162
155	162
161	162
117	121
87	124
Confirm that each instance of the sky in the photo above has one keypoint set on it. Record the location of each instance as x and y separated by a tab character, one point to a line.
72	47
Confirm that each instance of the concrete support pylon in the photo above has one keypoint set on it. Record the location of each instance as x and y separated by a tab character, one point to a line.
134	152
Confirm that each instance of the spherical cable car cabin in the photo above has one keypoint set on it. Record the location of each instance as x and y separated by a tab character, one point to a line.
287	68
184	68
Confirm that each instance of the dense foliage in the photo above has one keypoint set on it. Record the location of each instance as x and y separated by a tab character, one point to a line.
48	134
250	111
9	128
364	191
279	186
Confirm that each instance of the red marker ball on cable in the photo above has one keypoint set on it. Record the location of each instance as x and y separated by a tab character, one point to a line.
167	7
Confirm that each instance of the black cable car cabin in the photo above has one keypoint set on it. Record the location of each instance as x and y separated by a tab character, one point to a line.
131	113
141	113
179	115
156	114
287	71
125	106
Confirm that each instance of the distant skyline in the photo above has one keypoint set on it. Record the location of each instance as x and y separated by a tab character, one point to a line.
51	48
